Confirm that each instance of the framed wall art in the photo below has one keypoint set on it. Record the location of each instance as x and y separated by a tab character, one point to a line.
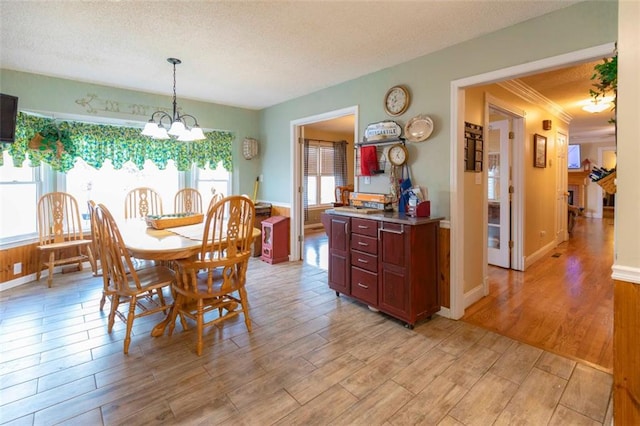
539	151
473	147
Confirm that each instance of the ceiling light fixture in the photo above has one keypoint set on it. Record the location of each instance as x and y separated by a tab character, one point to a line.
597	105
156	130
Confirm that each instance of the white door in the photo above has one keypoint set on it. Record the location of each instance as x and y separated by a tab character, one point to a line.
499	197
562	231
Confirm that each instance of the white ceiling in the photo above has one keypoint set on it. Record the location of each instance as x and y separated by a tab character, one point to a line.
250	54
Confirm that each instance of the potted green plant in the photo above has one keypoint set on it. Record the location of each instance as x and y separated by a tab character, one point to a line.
606	84
606	81
53	138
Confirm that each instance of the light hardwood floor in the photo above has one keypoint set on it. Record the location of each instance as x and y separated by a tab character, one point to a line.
563	303
312	358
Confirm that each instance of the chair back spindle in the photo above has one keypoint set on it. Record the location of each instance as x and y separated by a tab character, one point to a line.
140	202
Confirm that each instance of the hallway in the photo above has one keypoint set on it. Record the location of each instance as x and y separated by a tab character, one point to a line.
562	303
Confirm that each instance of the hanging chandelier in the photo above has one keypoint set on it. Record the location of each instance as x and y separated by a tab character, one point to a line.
177	122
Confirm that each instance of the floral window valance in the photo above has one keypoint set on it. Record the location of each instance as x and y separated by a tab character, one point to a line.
95	143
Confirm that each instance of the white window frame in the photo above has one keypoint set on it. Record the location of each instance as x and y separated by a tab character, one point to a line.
42	177
317	145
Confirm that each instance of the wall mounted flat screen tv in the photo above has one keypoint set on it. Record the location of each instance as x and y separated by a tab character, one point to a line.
8	116
573	156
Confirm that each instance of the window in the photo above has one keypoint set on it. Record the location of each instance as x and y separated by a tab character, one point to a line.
321	180
19	186
209	181
110	186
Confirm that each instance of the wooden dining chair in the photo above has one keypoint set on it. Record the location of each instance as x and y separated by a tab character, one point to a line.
125	284
61	240
142	201
211	288
342	195
187	200
217	196
138	264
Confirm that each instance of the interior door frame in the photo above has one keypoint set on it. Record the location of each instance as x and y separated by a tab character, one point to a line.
456	150
297	171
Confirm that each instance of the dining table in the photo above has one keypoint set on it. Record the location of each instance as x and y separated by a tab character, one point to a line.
163	245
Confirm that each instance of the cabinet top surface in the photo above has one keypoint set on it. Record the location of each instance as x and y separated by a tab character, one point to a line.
388	217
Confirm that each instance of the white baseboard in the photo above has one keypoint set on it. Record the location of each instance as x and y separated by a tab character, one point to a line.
628	274
32	277
444	312
542	252
21	280
473	295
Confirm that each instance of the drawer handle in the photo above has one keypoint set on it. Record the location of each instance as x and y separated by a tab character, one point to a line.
362	260
391	231
362	285
360	243
363	227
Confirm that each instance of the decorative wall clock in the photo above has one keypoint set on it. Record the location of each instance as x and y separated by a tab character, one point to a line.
398	155
396	100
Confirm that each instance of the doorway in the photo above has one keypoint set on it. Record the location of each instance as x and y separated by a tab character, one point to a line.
343	122
462	297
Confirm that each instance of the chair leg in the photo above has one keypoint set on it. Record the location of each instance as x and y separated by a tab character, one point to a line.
39	271
161	299
200	321
115	302
245	308
102	300
130	317
52	258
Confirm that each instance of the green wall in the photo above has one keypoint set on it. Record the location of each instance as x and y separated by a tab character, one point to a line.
583	25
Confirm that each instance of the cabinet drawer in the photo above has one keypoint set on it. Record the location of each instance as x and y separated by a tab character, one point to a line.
364	243
364	286
364	261
364	227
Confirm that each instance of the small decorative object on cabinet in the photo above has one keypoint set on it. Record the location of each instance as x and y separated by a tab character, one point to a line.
275	239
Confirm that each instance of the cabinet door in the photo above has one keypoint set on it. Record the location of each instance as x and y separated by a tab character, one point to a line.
394	287
339	260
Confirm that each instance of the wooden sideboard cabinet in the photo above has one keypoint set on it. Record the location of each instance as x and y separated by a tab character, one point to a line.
388	261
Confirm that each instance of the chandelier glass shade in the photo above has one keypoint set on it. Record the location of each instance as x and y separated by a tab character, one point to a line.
597	105
161	125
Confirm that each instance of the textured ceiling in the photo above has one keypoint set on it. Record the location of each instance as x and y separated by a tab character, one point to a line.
251	54
242	53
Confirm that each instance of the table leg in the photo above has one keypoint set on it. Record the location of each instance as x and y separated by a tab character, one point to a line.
158	329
